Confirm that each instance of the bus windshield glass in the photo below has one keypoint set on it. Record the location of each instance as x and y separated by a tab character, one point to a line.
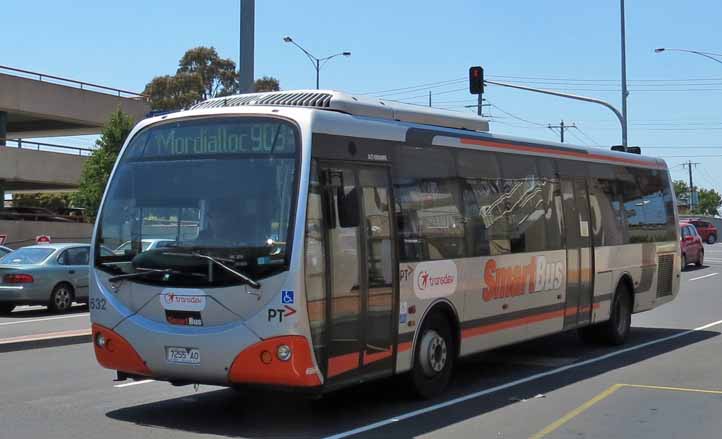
220	187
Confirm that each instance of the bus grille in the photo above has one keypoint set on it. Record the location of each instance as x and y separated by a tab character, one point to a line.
665	273
314	100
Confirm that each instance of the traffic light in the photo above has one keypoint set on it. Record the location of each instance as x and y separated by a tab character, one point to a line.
476	80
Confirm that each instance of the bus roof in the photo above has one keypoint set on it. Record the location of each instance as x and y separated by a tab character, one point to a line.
441	127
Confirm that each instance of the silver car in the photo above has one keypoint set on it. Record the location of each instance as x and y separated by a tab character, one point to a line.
55	275
4	250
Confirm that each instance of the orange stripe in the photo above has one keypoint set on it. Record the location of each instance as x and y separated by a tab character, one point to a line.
485	329
537	150
376	356
342	363
403	347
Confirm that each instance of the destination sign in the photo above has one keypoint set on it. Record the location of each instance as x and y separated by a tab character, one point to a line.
218	137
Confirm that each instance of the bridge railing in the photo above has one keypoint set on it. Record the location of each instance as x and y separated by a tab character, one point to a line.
81	84
47	147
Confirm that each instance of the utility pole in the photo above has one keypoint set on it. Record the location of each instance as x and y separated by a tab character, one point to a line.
478	112
246	46
625	93
429	98
561	128
691	184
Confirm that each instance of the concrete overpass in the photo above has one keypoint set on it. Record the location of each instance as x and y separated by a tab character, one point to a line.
35	104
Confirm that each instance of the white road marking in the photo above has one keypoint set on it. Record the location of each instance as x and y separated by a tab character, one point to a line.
44	319
490	390
134	383
705	276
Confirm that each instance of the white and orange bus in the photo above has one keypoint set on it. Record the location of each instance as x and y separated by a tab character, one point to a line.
314	239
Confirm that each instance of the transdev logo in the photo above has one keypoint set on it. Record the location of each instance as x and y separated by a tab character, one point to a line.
435	279
183	299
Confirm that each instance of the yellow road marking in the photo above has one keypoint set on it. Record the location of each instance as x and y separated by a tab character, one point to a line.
605	394
576	412
678	389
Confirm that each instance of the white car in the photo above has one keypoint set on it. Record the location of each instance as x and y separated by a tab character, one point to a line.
148	244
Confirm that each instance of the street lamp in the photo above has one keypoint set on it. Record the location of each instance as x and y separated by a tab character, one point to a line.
696	52
315	61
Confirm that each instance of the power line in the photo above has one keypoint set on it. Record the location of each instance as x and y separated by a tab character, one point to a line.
518	117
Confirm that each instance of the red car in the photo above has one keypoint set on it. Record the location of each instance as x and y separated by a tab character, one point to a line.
691	245
706	230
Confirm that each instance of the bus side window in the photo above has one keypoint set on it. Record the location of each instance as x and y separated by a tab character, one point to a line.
429	218
606	207
482	194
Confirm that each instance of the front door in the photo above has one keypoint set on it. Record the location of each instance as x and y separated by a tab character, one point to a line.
580	253
362	281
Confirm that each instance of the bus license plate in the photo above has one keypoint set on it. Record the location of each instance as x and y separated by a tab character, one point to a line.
183	355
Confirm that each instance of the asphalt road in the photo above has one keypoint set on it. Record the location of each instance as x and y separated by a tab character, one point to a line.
661	384
36	320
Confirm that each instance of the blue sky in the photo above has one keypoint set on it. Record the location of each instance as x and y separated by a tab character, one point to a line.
674	105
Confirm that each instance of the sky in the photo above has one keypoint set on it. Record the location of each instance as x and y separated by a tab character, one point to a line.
421	46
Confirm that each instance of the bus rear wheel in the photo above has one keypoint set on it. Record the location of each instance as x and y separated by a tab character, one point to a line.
615	330
434	357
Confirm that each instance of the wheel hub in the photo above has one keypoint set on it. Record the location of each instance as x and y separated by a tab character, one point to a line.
433	353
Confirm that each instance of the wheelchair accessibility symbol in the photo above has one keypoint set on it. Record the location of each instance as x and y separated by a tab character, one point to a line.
287	297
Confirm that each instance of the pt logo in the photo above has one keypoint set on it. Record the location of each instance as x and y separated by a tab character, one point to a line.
277	314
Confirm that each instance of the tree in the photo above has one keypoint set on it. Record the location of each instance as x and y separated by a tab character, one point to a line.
218	75
50	200
709	202
681	189
174	92
99	165
266	83
202	74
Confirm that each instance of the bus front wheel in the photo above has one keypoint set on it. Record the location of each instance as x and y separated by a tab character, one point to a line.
434	357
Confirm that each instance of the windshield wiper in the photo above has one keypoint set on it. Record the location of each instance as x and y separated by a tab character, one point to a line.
218	262
143	272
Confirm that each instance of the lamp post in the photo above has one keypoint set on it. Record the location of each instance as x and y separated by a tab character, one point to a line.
317	62
696	52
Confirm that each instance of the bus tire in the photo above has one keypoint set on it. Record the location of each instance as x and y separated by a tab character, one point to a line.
434	357
6	308
615	330
61	298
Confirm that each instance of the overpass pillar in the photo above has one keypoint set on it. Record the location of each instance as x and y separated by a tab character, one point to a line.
3	127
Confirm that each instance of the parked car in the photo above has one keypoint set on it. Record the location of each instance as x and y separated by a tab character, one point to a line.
4	250
706	230
148	244
55	275
691	245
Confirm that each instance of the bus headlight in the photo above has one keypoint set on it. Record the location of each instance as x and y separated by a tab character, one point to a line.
284	352
100	341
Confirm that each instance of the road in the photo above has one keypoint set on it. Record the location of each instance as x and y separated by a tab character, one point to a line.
661	384
38	320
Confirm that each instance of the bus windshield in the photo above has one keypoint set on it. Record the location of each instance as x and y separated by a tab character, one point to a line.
218	187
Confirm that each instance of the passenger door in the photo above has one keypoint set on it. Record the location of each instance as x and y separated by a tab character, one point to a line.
362	274
580	252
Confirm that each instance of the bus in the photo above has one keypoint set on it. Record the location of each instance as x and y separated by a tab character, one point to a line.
316	239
